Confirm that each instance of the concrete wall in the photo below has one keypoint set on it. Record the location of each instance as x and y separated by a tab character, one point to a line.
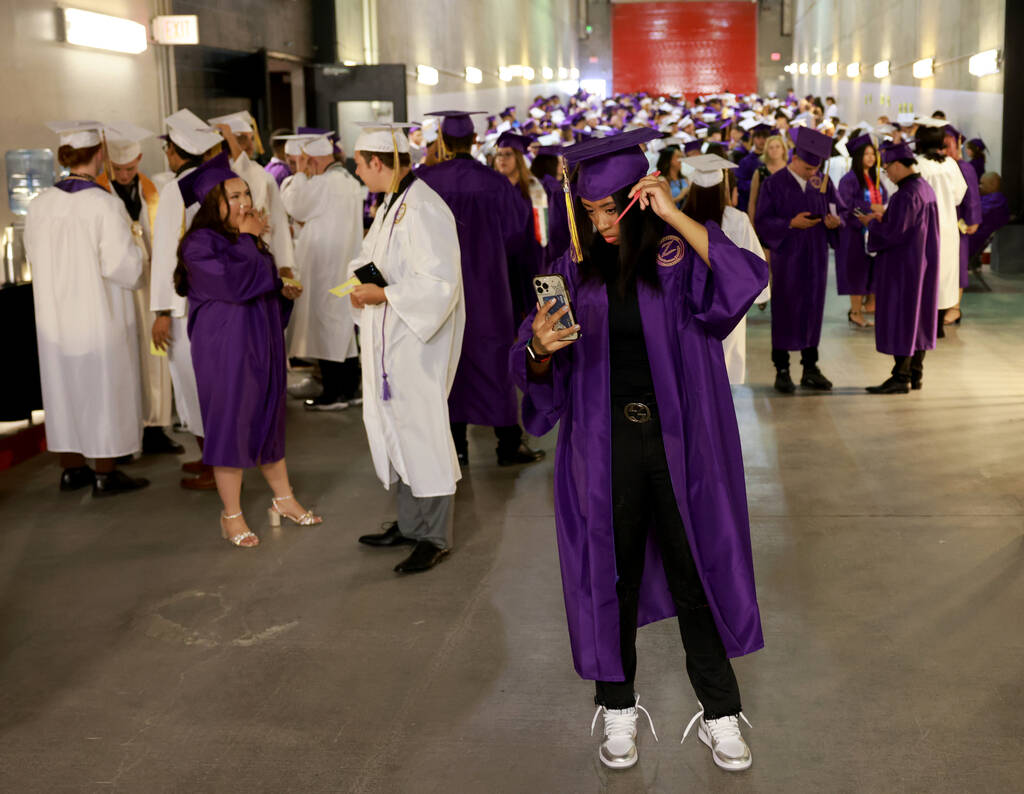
770	74
903	31
47	80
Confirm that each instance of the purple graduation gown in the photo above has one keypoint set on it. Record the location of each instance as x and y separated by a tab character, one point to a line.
744	176
853	263
906	270
799	256
683	324
236	325
558	221
492	220
995	214
969	211
279	170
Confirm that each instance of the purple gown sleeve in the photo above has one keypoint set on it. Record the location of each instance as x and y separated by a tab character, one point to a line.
771	227
971	205
545	398
232	272
848	195
896	228
719	296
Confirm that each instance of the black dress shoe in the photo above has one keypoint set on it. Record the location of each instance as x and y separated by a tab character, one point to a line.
424	557
78	477
891	386
124	460
521	454
156	442
389	537
813	379
784	383
116	482
915	383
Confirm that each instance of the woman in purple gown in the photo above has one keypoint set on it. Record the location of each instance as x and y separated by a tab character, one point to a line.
650	500
238	308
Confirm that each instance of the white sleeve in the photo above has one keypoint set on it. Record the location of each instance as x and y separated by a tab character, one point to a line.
429	292
737	227
280	242
120	257
305	198
167	231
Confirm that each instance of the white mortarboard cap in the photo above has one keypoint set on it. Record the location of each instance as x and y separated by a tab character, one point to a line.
928	121
505	126
77	134
293	143
430	128
746	114
190	132
707	169
537	113
318	146
379	136
686	121
884	129
557	116
749	123
905	119
551	139
240	123
702	132
123	139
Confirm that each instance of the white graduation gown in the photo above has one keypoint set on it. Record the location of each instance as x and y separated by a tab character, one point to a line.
85	265
417	334
950	187
331	207
172	219
266	196
737	227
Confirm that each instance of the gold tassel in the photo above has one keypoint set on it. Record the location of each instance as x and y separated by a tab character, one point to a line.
257	141
574	236
824	182
395	179
443	155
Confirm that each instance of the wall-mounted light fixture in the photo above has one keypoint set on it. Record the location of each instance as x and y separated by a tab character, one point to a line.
815	69
832	68
923	68
574	73
104	32
792	68
984	63
563	73
853	70
881	69
474	75
803	68
547	73
349	63
426	74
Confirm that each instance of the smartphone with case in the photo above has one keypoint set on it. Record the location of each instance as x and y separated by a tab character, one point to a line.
554	287
369	274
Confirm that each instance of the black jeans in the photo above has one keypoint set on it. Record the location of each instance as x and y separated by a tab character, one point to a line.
808	358
909	369
642	496
340	378
509	438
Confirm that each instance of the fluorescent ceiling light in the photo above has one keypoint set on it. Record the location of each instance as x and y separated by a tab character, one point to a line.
815	69
853	70
881	69
103	32
349	63
574	73
528	73
474	75
984	63
832	69
792	68
426	74
563	73
923	68
803	68
547	73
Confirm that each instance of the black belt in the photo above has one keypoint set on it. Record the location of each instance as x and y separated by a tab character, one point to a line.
636	411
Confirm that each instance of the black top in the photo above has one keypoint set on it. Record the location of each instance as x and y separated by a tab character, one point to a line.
630	368
129	194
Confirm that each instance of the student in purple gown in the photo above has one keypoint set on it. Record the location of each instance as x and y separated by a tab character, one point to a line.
650	501
238	307
861	191
968	213
995	212
976	151
278	165
906	240
750	163
546	167
493	223
797	220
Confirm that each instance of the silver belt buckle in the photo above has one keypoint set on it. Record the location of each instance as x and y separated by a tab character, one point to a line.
637	413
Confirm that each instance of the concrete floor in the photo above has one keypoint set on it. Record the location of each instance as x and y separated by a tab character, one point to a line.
141	653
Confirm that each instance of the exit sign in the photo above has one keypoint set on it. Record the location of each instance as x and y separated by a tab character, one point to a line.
179	29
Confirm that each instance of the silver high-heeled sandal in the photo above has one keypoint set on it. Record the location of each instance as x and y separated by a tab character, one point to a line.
307	519
237	540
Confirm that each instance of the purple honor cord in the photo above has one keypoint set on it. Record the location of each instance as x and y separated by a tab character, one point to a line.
385	392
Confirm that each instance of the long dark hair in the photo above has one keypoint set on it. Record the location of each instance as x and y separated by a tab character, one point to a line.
705	204
665	161
544	165
931	143
640	234
858	163
208	217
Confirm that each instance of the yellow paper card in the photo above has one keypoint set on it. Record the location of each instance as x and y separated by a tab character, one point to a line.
154	350
291	282
344	289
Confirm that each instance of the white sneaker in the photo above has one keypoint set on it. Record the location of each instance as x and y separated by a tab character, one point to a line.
728	748
305	389
618	748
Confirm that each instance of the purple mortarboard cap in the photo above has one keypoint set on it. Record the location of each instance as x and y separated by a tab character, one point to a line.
725	124
951	130
896	151
609	164
693	146
812	146
554	150
196	185
979	143
761	129
510	109
509	140
457	123
859	142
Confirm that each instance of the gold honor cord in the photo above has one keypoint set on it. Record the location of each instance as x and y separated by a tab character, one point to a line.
395	179
824	182
574	236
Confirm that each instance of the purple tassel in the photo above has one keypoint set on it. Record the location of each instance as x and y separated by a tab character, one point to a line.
385	393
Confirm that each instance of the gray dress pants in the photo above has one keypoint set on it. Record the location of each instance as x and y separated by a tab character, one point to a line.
425	517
